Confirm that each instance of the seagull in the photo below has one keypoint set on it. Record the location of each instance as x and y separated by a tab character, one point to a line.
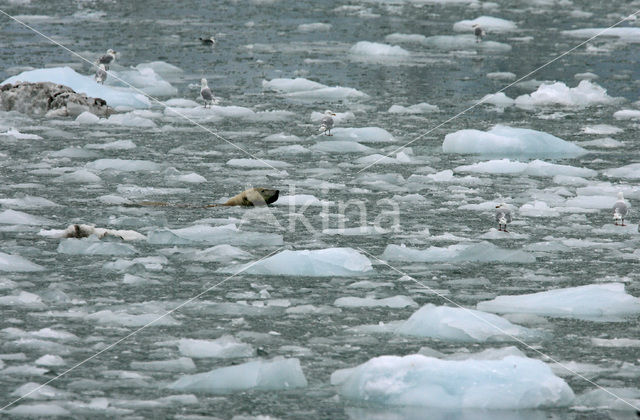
205	92
478	32
107	59
101	74
503	216
208	41
326	124
620	210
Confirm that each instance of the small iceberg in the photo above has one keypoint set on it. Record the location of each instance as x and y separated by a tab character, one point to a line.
343	262
607	301
271	375
502	140
83	84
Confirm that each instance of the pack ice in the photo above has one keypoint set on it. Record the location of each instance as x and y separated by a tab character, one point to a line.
307	90
264	375
313	263
510	382
593	302
461	325
83	84
503	140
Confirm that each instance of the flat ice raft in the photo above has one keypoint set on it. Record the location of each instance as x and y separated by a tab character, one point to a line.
313	263
83	84
478	252
593	301
509	141
276	374
509	383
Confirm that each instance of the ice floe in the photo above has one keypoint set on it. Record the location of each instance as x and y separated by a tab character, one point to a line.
314	263
83	84
215	235
630	35
224	347
537	168
421	108
509	141
462	325
94	246
631	171
261	375
488	23
558	94
398	301
362	135
16	263
379	52
511	382
476	252
593	302
307	90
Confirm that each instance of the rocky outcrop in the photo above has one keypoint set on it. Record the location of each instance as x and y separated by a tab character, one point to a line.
49	99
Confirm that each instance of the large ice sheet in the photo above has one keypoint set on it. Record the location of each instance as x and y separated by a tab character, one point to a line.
477	252
462	325
313	263
83	84
594	301
533	168
509	141
263	375
512	382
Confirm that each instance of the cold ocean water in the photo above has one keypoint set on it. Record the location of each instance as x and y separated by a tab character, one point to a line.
400	68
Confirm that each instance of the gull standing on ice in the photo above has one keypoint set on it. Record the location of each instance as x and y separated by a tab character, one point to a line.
503	216
208	41
101	74
107	59
620	210
205	92
326	124
478	32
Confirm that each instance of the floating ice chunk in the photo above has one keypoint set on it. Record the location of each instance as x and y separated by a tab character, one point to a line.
16	263
123	165
13	217
602	129
615	342
27	202
538	209
143	78
534	168
300	200
630	35
363	135
129	120
461	324
390	302
378	51
315	263
50	360
314	27
13	132
227	234
628	172
612	400
558	94
183	364
181	103
591	201
417	380
220	253
627	114
81	176
225	347
282	137
421	108
488	23
94	246
593	302
356	231
604	143
22	299
341	146
83	84
257	163
35	391
498	99
291	85
294	149
164	69
39	410
121	318
501	75
509	141
328	94
464	42
114	145
477	252
275	374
